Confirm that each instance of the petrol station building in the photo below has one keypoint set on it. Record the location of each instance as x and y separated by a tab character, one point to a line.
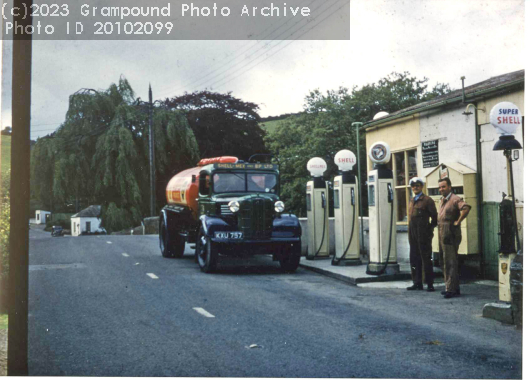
452	134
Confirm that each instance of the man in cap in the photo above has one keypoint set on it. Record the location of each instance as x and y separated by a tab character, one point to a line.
453	210
422	221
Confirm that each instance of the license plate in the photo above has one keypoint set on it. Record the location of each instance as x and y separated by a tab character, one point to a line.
229	235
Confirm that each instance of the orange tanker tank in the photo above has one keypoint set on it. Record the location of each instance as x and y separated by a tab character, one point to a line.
183	192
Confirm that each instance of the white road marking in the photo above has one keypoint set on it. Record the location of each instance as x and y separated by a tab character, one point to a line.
201	311
152	275
125	255
109	242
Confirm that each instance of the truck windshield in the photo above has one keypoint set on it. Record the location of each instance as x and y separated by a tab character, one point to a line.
244	182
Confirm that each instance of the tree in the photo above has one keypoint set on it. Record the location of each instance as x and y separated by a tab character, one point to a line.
100	154
4	235
223	125
326	127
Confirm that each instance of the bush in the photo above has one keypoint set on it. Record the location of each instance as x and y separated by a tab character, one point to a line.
4	224
64	223
4	237
117	219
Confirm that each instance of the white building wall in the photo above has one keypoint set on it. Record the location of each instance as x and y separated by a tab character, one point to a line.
494	167
78	225
455	134
40	216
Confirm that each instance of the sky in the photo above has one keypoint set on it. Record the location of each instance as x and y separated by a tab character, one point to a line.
440	40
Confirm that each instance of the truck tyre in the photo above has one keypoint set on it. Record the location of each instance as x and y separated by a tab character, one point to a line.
171	244
206	253
290	260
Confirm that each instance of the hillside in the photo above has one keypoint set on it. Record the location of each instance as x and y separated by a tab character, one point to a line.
269	124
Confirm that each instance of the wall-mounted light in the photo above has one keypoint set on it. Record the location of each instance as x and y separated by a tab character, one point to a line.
467	113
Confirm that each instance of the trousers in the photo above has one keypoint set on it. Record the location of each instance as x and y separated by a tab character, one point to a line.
450	237
421	262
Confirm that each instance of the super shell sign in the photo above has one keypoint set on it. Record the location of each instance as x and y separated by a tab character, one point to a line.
505	117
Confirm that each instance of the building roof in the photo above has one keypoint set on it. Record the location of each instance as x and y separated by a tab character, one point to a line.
457	166
490	86
89	212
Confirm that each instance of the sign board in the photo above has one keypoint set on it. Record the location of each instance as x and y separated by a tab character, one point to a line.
246	166
429	153
505	117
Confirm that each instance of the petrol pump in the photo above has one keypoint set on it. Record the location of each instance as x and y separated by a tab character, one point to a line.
347	250
506	118
317	210
383	257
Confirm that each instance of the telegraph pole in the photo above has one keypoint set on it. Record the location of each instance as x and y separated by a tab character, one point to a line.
17	348
151	151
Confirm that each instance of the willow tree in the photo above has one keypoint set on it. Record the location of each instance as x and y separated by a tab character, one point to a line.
102	152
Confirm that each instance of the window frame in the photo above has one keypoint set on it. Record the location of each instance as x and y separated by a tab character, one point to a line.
406	186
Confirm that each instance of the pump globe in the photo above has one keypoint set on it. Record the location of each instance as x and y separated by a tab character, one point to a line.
505	117
380	115
345	160
316	166
380	152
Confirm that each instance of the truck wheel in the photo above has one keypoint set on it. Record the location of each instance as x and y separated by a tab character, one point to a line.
170	246
206	253
290	260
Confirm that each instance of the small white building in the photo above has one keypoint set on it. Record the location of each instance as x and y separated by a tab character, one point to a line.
86	221
41	216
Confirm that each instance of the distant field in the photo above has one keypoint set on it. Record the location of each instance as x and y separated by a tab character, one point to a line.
3	321
270	126
6	153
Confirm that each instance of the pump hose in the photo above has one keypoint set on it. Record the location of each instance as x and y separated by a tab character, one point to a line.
335	261
377	273
323	233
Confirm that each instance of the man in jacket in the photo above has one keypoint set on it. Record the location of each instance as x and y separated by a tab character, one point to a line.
422	221
453	210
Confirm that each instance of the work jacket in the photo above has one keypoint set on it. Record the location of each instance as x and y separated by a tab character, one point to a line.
423	218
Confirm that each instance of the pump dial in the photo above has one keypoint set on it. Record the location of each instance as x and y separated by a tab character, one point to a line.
316	166
380	152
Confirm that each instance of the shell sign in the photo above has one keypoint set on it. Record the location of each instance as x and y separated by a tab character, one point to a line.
505	117
316	166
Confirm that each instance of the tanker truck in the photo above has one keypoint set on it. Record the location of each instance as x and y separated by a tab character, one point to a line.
229	207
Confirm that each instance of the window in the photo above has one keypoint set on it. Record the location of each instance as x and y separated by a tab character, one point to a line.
38	216
87	226
242	182
336	200
404	167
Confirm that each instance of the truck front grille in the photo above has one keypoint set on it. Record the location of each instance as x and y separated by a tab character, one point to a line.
256	218
224	209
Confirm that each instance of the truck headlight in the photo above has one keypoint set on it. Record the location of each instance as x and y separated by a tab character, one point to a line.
279	206
233	206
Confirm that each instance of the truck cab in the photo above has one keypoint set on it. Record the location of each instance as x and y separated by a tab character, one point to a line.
238	213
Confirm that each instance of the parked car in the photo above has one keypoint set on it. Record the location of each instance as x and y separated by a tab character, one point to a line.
57	231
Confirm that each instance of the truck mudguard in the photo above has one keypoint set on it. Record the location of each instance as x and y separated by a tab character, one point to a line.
286	225
211	224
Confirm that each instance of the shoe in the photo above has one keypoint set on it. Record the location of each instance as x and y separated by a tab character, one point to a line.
415	287
451	295
430	288
443	292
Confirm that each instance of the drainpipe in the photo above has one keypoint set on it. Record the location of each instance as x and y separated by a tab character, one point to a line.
480	199
463	90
